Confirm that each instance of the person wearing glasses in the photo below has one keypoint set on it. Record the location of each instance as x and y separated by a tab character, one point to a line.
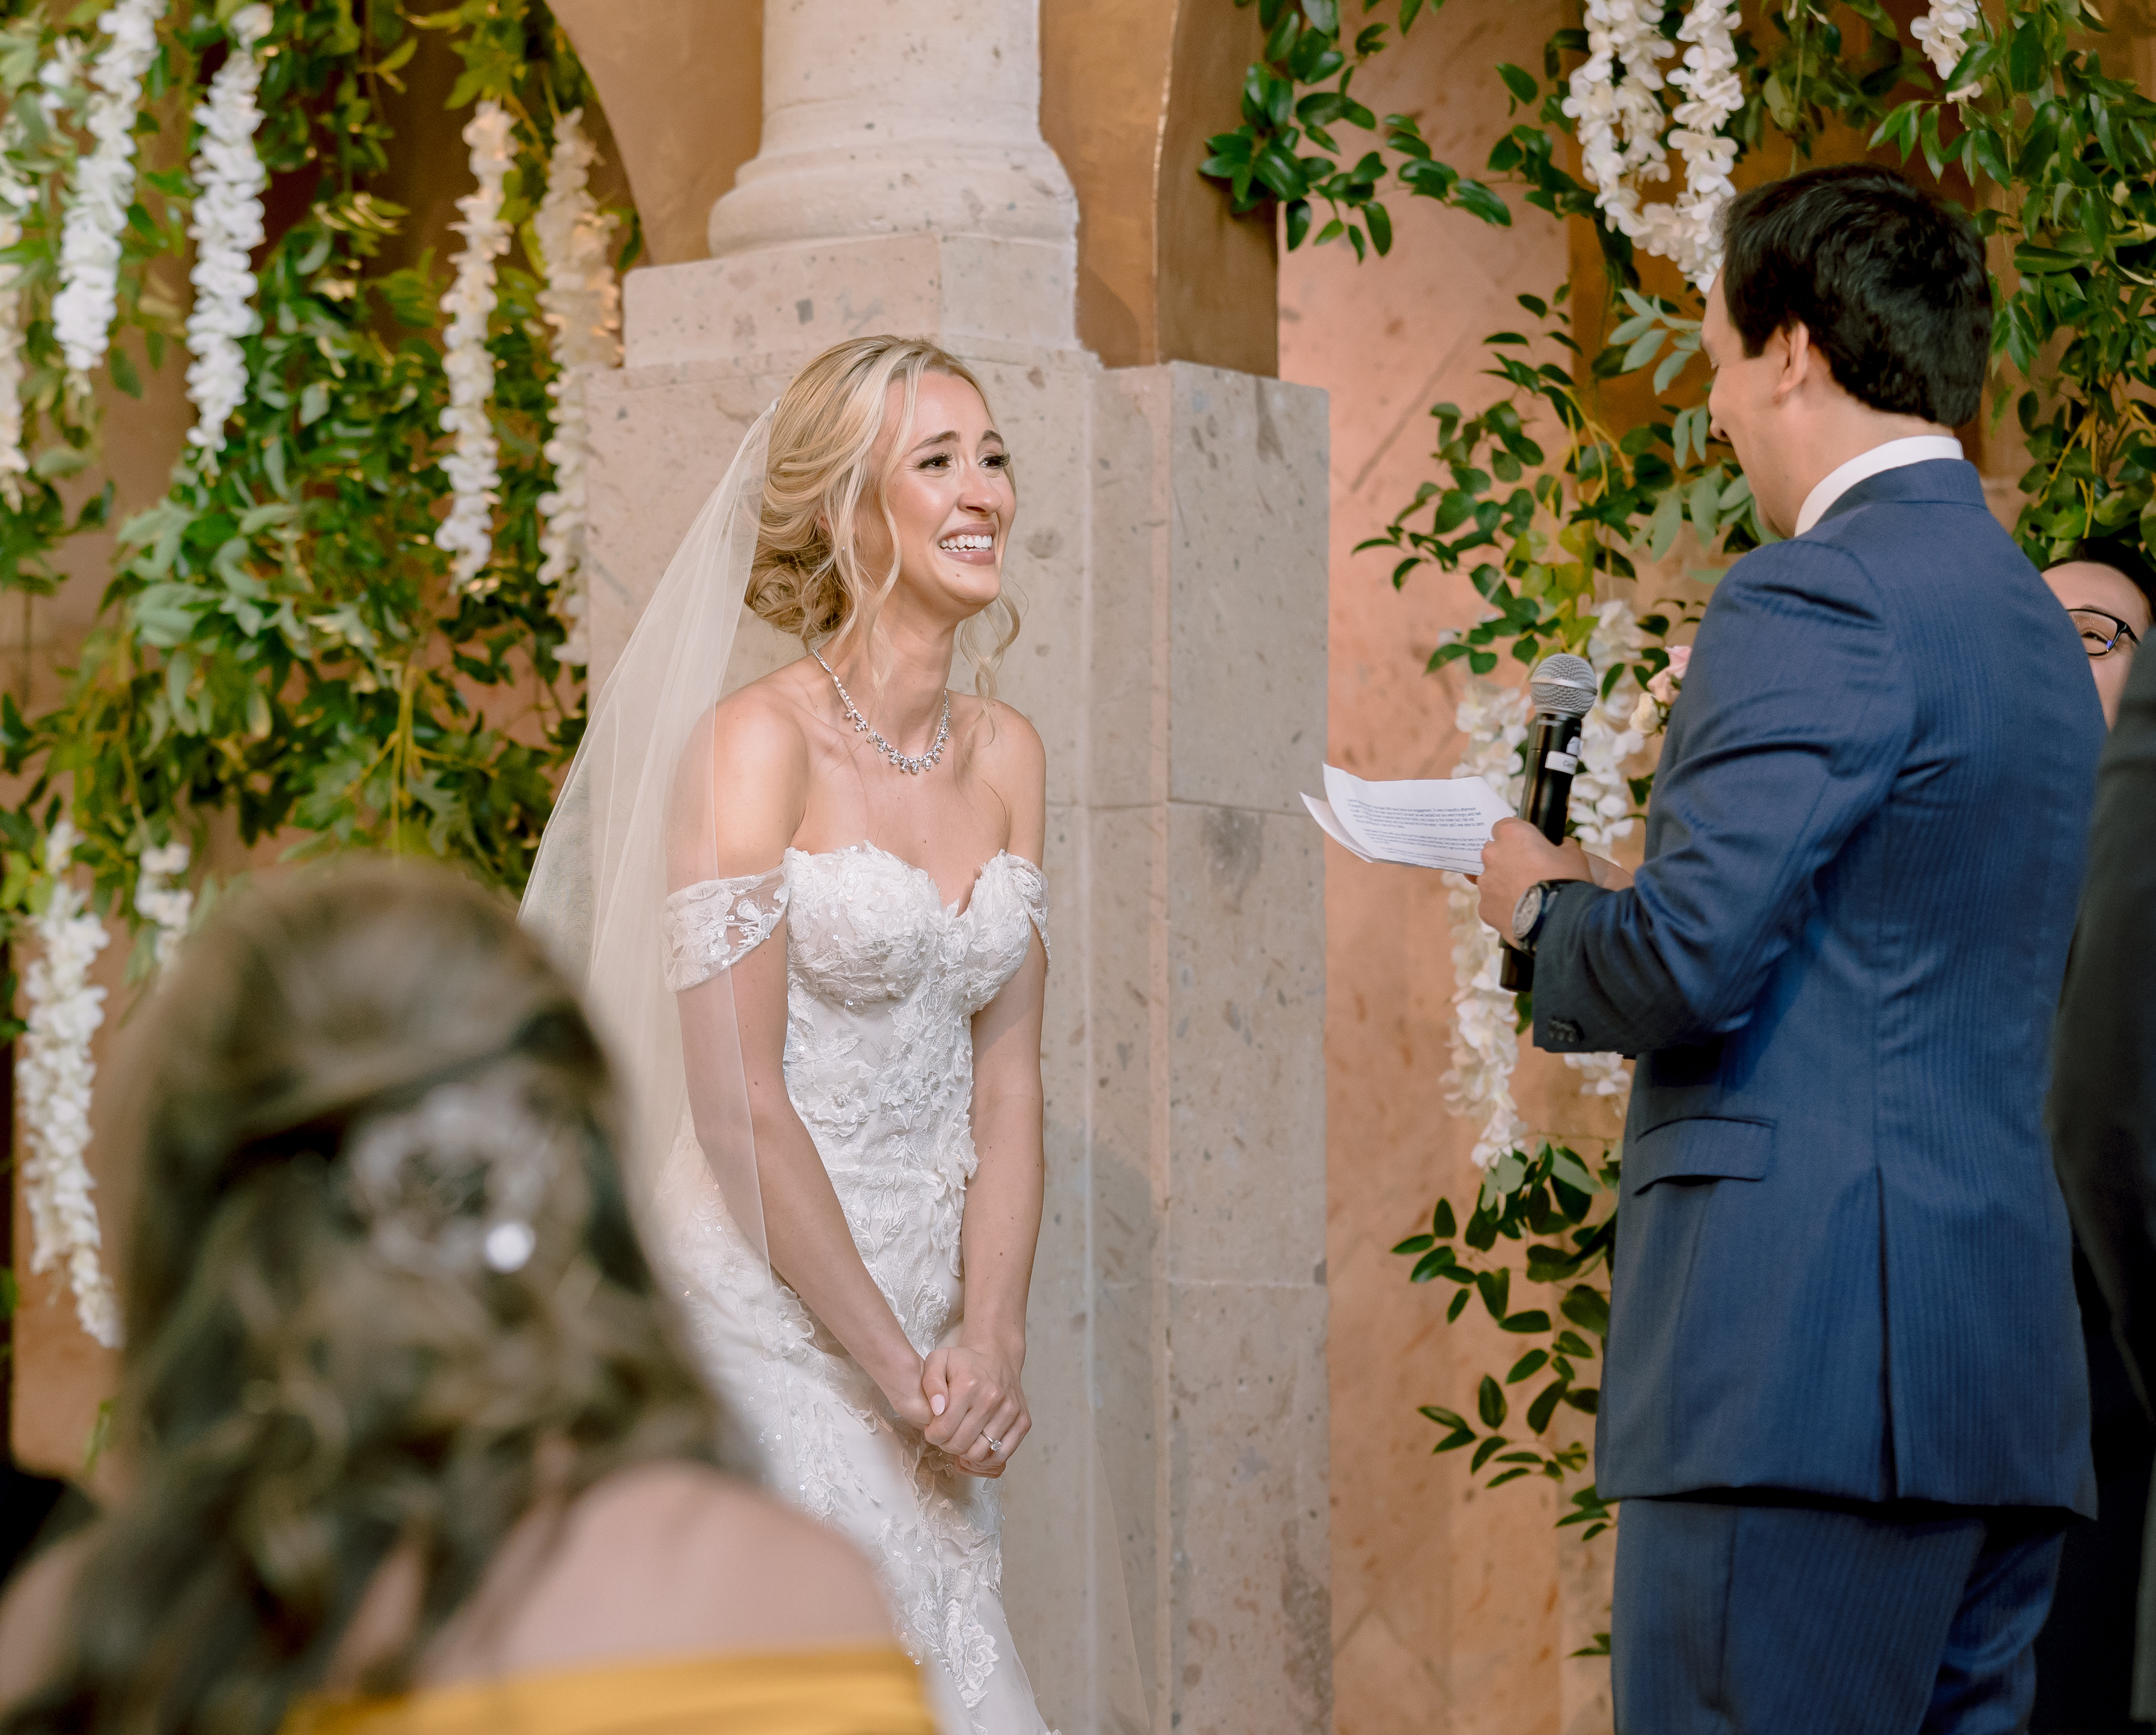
2085	1653
2109	589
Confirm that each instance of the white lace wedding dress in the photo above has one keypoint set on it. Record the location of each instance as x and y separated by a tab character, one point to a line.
883	980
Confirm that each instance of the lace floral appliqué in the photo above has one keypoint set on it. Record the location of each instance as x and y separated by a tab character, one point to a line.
713	925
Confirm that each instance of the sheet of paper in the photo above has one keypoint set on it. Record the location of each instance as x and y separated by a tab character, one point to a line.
1322	811
1429	823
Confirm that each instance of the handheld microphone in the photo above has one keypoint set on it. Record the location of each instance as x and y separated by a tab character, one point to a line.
1563	690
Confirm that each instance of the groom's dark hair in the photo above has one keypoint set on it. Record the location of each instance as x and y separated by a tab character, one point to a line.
1889	282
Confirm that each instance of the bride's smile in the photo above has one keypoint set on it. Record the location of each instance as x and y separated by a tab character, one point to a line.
951	500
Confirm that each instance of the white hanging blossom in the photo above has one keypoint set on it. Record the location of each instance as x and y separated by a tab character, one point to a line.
226	227
17	193
89	294
169	907
1943	33
582	304
1615	98
1601	799
53	1073
466	535
1486	1038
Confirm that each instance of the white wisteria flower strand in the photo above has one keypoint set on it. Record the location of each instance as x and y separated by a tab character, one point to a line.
1943	33
466	535
89	294
53	1073
1614	100
1601	798
583	305
167	906
226	228
1486	1038
17	193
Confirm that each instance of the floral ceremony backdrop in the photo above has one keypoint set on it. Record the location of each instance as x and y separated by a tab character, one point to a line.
353	617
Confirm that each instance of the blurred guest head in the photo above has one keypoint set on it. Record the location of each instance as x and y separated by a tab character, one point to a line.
2109	589
382	1294
1852	308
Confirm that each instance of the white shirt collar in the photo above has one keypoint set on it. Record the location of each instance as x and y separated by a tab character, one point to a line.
1915	449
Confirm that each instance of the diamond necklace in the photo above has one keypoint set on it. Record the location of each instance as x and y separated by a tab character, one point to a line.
911	764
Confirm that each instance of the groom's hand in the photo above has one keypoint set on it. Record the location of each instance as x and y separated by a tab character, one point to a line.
1518	856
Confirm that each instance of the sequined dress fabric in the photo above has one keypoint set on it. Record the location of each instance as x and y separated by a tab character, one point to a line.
883	980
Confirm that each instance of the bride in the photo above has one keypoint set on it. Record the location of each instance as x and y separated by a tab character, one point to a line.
811	921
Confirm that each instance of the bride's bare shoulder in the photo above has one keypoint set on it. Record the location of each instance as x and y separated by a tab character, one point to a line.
768	715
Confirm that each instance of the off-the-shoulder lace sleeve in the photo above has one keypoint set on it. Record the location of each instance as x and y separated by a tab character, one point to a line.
713	925
1032	888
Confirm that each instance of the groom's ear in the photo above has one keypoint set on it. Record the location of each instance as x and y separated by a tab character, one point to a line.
1801	363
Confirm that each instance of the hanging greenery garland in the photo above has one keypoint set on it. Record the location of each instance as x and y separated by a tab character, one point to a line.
285	647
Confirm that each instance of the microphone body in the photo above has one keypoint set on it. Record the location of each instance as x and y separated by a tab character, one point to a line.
1564	691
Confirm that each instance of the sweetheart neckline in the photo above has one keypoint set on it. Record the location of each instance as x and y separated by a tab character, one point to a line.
952	911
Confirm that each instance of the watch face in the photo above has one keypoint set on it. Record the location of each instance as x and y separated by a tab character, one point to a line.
1526	912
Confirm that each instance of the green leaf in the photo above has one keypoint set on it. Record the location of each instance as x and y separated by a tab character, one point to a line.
2027	67
1672	366
1441	1222
1587	1308
1528	1365
1517	81
1662	529
1533	1321
1545	1405
1496	1289
1473	197
1459	1302
1644	348
1436	1263
1443	1418
1489	1402
124	375
1488	1450
1415	1244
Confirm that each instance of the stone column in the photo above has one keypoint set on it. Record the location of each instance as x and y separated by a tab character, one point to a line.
1170	559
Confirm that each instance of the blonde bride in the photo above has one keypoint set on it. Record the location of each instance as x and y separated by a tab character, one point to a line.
814	924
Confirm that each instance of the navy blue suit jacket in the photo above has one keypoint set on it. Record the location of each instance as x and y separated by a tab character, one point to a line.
1842	1261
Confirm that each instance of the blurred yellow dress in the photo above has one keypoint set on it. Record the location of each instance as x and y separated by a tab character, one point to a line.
869	1689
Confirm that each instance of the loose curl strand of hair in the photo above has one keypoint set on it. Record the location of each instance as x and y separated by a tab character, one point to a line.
295	1407
808	579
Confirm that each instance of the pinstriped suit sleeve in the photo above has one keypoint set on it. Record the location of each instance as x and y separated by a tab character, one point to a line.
1791	726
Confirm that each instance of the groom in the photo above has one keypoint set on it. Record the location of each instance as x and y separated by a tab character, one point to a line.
1844	1406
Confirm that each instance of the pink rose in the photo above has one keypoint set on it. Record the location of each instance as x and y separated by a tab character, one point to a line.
1663	686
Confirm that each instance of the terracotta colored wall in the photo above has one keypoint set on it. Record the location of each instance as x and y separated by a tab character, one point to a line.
1453	1607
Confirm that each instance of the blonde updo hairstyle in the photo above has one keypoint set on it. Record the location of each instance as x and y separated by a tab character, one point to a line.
822	474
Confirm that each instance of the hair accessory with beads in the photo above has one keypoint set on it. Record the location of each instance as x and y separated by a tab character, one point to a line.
453	1182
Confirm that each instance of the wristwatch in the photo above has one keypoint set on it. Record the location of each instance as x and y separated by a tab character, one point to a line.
1531	912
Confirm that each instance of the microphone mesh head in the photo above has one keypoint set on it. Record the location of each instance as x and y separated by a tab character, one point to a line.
1564	683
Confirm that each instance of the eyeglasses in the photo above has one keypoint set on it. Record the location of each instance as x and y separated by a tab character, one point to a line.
2101	630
